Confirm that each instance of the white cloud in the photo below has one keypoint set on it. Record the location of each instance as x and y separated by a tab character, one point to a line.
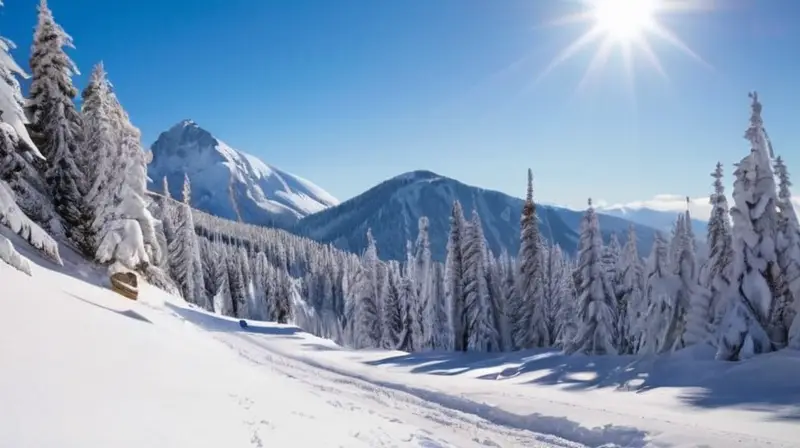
699	207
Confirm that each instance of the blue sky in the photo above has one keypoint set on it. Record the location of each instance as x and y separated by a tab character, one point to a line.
348	93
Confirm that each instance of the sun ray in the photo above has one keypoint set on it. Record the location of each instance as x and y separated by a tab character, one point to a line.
670	37
627	26
598	60
567	53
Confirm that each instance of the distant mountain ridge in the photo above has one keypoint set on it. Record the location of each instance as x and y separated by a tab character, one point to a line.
263	194
392	209
657	219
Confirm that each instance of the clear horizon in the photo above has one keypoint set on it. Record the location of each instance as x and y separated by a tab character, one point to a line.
349	94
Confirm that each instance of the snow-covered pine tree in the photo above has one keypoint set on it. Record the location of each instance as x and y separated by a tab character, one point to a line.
718	274
423	280
632	308
392	313
508	290
788	246
441	337
747	329
454	277
16	152
557	276
56	122
481	333
597	303
687	294
367	319
528	321
182	252
236	283
98	149
675	243
494	284
407	302
126	232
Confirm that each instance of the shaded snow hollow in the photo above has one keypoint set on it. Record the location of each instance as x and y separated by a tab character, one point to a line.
84	367
263	194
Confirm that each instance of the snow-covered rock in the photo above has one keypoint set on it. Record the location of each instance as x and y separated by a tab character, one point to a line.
263	194
393	208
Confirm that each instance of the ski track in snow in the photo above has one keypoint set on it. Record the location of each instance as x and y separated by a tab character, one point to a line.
353	394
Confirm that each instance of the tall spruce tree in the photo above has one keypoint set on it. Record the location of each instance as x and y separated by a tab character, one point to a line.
454	277
597	304
56	122
529	325
788	246
747	328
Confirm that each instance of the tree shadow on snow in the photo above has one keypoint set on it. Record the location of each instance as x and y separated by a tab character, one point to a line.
214	323
131	314
766	383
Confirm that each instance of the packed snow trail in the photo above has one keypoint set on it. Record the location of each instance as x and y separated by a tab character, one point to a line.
589	418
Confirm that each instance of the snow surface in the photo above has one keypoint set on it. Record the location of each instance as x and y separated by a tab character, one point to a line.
263	193
84	367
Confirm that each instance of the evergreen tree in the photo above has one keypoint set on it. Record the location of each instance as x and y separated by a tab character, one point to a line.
454	278
718	275
788	246
686	292
508	290
632	289
529	326
481	333
561	306
597	313
367	329
441	337
426	306
747	328
182	252
56	122
392	308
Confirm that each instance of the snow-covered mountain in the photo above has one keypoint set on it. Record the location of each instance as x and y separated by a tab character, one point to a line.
263	194
657	219
393	208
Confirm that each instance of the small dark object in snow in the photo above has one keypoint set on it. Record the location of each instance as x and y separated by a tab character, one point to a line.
243	323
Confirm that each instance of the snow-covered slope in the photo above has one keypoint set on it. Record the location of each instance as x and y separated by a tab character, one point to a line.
84	367
393	208
264	194
657	219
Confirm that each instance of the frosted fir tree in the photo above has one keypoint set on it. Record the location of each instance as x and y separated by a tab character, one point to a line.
56	122
366	317
788	246
554	288
717	275
236	283
98	149
423	278
675	243
392	313
244	304
660	286
632	308
454	277
481	333
747	329
529	325
494	284
441	336
567	317
686	293
182	254
508	291
408	302
596	300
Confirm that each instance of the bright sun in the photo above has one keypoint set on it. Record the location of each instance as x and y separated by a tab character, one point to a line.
624	20
627	26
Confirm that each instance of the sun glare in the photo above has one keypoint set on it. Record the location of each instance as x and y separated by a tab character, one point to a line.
627	26
624	20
